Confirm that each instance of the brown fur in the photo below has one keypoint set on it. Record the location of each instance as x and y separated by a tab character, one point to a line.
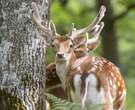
53	80
103	71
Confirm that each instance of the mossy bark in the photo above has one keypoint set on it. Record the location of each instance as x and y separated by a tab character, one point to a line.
22	56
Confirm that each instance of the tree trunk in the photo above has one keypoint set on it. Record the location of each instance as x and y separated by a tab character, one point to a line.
22	56
109	40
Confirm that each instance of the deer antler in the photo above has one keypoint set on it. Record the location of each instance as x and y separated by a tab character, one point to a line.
53	28
96	32
72	29
92	26
48	31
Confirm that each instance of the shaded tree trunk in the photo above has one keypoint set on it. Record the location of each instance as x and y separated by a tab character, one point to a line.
109	40
22	56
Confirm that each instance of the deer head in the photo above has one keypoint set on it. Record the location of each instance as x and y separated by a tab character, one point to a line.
75	40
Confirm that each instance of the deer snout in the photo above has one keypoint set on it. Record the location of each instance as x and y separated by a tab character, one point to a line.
60	55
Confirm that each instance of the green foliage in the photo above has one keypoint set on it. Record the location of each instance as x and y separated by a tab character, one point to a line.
60	104
130	103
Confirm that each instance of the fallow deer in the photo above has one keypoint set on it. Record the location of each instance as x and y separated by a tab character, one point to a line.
89	80
53	83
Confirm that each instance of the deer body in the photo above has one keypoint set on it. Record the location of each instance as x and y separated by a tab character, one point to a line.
100	82
91	80
86	79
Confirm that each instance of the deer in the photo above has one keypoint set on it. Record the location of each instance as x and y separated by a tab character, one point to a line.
88	79
53	83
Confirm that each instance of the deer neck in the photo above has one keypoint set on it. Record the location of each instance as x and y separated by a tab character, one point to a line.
62	68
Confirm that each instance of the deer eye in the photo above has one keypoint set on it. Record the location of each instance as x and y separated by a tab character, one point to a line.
71	45
53	45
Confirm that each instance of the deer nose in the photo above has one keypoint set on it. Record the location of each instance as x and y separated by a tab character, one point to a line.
60	55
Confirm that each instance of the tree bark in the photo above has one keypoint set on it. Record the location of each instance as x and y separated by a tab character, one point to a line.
109	40
22	56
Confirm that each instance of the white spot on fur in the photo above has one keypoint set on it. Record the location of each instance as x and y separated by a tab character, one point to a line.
93	59
115	78
122	99
118	83
92	70
119	92
117	69
114	86
100	64
78	68
78	62
112	74
123	94
104	60
111	83
110	63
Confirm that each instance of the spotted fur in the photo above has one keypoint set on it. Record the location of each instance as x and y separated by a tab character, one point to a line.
108	76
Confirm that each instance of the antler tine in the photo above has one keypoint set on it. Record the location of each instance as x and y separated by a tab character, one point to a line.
72	29
89	28
37	19
98	18
96	33
53	28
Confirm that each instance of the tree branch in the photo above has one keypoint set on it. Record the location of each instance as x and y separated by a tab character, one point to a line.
124	13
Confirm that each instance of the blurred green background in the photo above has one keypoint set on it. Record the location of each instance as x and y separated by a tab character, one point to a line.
118	36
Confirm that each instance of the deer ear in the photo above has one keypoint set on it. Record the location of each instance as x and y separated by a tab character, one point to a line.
93	46
82	39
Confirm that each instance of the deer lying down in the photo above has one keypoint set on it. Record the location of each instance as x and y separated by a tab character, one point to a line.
89	80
